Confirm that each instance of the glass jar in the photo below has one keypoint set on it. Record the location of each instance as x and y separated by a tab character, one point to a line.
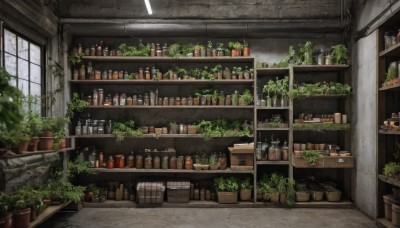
108	100
158	50
152	50
115	75
116	100
78	128
164	162
106	51
321	57
172	162
188	163
165	101
152	98
156	162
129	101
140	100
131	160
181	128
146	100
95	97
274	152
82	73
100	127
92	50
97	75
141	74
134	100
89	100
104	75
92	160
222	162
122	100
109	74
94	127
121	75
183	101
101	97
179	162
139	161
171	101
110	163
87	51
285	151
108	127
189	100
258	151
177	101
147	75
126	75
148	162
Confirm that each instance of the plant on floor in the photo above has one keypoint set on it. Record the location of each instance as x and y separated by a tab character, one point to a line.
124	129
11	112
311	157
391	169
339	54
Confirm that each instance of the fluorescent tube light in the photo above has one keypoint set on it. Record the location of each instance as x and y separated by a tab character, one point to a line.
148	6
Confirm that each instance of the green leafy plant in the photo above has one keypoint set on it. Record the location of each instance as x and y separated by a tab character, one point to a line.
122	130
324	88
391	74
25	197
78	166
320	127
311	156
54	124
245	183
220	46
246	97
62	191
34	122
209	45
174	50
222	128
235	98
339	54
391	169
5	204
229	184
75	105
139	50
235	45
75	59
213	159
13	138
305	52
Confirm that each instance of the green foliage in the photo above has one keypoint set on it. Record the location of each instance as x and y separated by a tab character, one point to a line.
77	167
277	87
339	54
229	184
174	50
75	59
122	130
235	98
321	127
311	156
11	113
246	97
139	50
235	45
305	53
273	183
391	168
63	191
391	74
75	105
54	124
222	128
319	88
13	138
245	183
5	204
213	159
34	122
25	197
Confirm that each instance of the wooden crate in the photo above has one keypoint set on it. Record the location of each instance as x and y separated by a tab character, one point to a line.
242	157
325	162
178	191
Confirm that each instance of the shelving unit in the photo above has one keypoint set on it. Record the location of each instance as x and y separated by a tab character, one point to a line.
388	103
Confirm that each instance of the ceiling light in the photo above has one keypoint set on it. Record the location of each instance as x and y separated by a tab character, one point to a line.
148	6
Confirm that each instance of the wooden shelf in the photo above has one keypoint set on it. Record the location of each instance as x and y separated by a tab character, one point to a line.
272	162
395	87
30	153
168	59
384	223
323	96
325	162
344	204
382	132
162	82
102	136
272	129
173	107
272	71
393	51
389	180
47	213
133	170
320	68
271	108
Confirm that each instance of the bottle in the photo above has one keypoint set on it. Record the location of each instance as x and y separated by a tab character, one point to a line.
222	162
82	73
95	97
122	100
164	50
147	74
152	50
78	129
148	162
258	151
101	160
101	97
116	100
92	160
110	163
164	162
156	162
139	161
196	192
321	57
172	162
285	151
158	50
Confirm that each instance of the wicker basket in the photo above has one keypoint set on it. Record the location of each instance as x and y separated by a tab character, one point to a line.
333	196
302	196
317	195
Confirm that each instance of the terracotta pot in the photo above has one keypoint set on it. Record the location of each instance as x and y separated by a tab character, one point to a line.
22	218
46	143
7	221
245	194
234	53
33	213
47	201
33	144
246	51
23	147
63	143
47	134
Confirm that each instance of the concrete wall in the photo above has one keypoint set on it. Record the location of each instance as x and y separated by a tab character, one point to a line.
364	121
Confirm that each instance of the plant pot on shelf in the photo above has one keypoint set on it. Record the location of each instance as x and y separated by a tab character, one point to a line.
63	143
227	197
273	195
302	196
333	196
192	129
22	218
245	194
7	220
23	146
317	195
214	167
33	144
282	197
46	140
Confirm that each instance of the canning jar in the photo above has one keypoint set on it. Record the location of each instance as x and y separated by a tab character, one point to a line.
156	162
148	162
122	100
172	162
116	100
139	161
164	162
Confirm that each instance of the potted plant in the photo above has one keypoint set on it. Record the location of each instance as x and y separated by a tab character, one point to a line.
75	59
246	98
51	127
392	169
217	71
236	48
209	49
220	49
270	89
213	162
339	54
247	73
282	90
23	200
246	48
227	73
311	157
34	121
245	189
239	71
6	214
214	97
227	189
221	98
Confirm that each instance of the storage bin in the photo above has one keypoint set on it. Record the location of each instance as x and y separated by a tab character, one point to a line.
242	157
388	200
227	197
150	192
178	191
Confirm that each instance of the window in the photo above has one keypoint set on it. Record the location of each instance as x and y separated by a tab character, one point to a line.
23	61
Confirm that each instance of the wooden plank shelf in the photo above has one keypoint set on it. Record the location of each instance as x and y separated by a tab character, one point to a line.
382	132
344	204
272	108
173	107
163	82
30	153
272	162
393	51
323	96
103	136
224	59
47	213
159	171
389	180
395	87
325	162
272	129
320	68
384	223
273	71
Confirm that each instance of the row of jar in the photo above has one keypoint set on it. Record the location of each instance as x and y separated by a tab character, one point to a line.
391	39
337	118
153	99
93	127
272	151
165	161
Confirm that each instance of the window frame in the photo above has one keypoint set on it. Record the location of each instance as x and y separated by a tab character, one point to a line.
42	64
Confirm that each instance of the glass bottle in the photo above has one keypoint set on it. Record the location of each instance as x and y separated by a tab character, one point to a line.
101	159
321	57
108	100
152	50
94	127
110	162
172	162
188	163
89	128
116	100
141	74
92	160
164	162
106	51
129	101
121	74
285	151
156	162
179	162
99	49
398	36
146	100
82	73
158	50
122	100
78	128
222	162
110	74
87	51
147	74
100	127
258	151
92	50
131	160
139	161
95	97
101	97
164	50
148	162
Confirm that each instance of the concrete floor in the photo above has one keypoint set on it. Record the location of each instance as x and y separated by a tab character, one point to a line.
211	217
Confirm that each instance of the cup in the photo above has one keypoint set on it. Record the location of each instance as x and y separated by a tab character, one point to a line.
338	117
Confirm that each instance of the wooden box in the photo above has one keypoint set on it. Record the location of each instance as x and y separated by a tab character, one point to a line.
242	157
325	162
178	191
